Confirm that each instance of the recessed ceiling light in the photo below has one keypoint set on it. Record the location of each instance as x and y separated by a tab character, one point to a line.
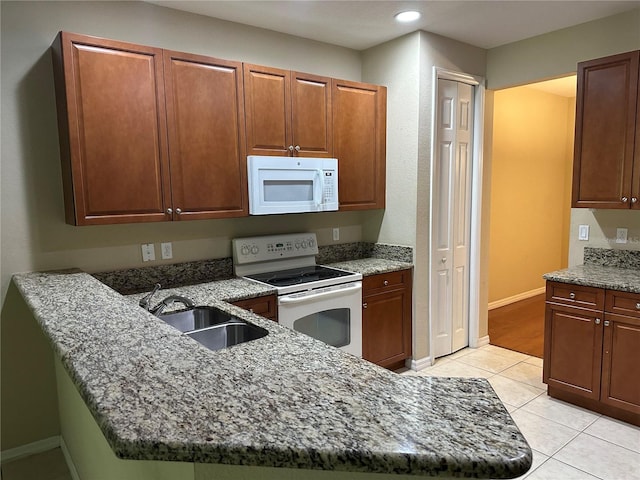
408	16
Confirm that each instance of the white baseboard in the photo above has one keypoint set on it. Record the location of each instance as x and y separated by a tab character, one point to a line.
482	341
419	364
516	298
30	449
67	457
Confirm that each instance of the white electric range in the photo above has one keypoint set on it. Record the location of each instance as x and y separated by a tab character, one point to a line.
320	301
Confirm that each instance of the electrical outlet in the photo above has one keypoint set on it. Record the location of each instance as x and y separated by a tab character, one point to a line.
167	250
336	234
583	232
621	235
148	252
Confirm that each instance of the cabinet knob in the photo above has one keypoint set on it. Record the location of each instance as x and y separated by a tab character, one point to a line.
297	148
572	296
624	199
291	148
638	306
634	199
597	321
606	323
385	283
364	305
169	211
178	211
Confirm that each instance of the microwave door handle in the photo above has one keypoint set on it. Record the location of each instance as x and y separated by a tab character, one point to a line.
319	188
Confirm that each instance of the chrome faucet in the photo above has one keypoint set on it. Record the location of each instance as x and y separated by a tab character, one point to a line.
145	302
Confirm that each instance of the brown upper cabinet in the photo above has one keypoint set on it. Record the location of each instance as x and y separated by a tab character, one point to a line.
287	113
606	169
359	143
128	126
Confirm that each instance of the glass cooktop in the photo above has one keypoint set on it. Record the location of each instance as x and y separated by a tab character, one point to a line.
295	276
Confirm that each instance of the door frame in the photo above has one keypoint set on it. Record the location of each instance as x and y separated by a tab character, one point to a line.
477	82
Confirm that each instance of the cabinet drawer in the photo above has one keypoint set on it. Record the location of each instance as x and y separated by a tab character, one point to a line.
575	295
385	280
623	303
265	306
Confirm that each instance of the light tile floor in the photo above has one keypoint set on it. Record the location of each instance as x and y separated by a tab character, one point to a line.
568	442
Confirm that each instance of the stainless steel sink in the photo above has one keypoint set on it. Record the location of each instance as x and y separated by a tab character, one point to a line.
212	327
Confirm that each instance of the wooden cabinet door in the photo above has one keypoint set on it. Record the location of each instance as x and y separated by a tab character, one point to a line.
267	306
267	94
621	355
359	143
112	126
605	132
573	350
311	115
206	136
386	318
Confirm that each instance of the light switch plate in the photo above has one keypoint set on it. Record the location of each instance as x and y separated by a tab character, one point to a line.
148	252
336	234
583	232
621	235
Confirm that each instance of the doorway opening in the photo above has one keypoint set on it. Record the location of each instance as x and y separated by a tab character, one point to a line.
532	155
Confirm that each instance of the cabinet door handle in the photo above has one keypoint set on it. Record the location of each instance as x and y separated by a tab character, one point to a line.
606	323
624	199
364	305
297	148
291	148
178	211
385	283
169	211
634	199
638	306
572	296
597	321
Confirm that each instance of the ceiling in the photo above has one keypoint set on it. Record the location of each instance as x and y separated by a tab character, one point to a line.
565	86
363	24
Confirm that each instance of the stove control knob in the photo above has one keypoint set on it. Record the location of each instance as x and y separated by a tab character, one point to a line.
254	250
297	244
304	244
244	250
311	243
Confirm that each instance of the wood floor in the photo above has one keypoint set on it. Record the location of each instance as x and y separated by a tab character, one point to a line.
519	326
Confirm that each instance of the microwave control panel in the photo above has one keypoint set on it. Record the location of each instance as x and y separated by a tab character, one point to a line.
329	186
274	247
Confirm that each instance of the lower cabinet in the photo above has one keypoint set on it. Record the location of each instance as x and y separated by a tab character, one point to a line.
592	349
386	318
266	306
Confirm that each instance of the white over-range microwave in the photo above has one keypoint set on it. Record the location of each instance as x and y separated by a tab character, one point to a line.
292	184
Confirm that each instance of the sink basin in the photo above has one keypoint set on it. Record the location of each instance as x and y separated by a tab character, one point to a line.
196	318
228	334
212	327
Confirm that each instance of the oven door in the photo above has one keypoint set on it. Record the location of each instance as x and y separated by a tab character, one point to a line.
330	314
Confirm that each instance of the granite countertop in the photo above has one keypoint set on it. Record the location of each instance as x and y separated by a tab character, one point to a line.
285	400
371	266
614	278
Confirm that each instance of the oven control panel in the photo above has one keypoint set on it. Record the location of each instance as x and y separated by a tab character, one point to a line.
274	247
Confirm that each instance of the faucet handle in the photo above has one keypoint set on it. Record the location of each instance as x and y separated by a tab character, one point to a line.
146	300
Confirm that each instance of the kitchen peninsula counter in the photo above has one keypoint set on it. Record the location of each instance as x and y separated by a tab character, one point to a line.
599	276
285	400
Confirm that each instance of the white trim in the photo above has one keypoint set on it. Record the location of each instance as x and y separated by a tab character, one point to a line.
419	364
476	199
516	298
67	457
33	448
482	341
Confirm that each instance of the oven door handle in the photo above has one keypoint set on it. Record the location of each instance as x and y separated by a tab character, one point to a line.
287	300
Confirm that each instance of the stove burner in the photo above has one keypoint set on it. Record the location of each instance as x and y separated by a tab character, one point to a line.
296	276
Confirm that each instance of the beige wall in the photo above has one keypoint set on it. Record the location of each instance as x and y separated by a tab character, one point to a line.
556	54
34	235
530	190
405	65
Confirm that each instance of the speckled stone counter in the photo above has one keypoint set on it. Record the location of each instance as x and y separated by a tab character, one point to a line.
285	400
603	268
371	266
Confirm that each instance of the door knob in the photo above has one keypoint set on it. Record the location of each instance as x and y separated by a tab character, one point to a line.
364	305
444	260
